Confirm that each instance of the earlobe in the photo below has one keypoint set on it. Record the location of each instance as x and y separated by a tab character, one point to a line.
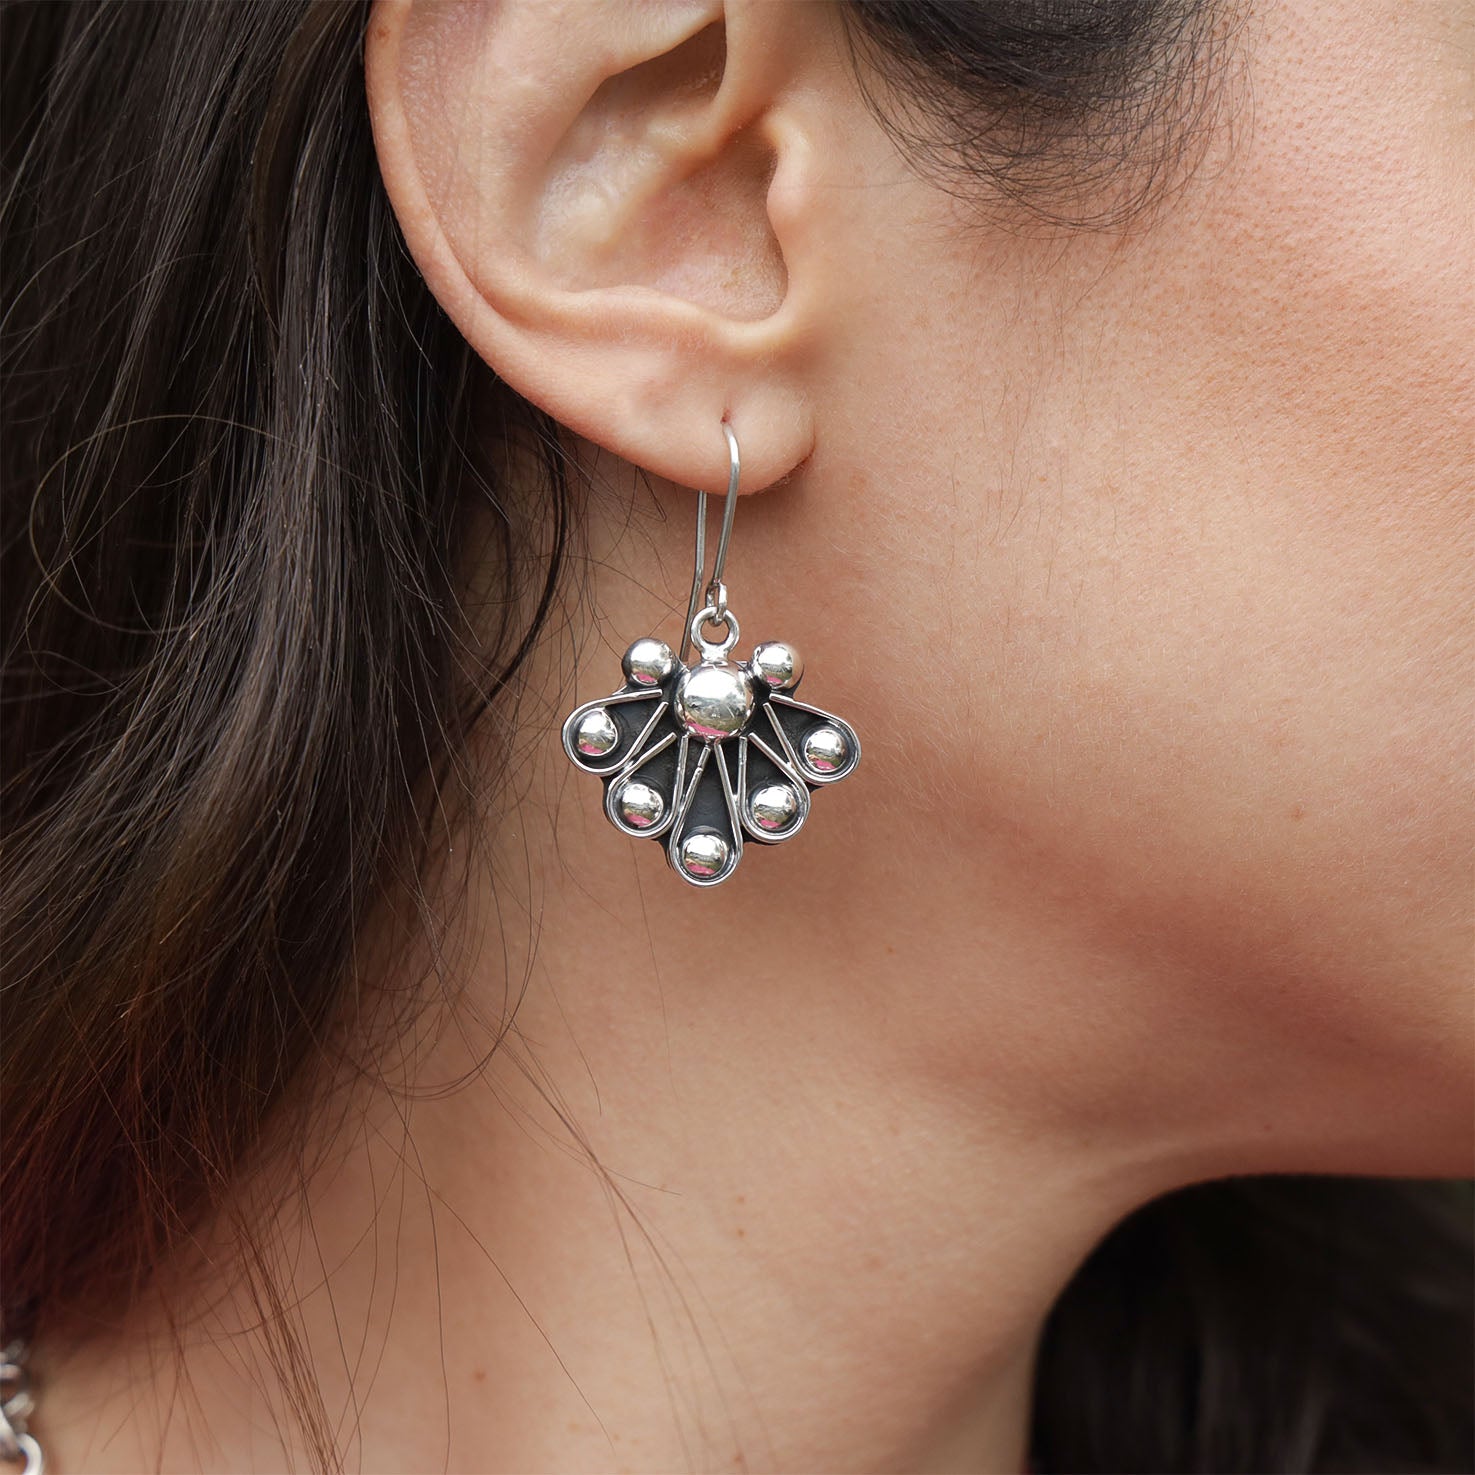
607	201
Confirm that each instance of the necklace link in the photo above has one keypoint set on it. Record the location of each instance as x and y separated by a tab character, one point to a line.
17	1447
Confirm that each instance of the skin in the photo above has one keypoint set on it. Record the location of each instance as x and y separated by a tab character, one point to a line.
1140	560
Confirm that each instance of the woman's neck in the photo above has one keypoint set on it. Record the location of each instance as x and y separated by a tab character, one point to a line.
731	1194
784	1176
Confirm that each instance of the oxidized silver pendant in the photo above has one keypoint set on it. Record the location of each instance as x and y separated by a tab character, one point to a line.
700	755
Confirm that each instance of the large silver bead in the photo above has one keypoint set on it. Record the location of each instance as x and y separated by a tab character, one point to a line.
714	699
777	665
704	854
648	662
825	749
640	806
596	733
774	807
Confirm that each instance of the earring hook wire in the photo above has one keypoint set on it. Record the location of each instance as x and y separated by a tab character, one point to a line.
716	592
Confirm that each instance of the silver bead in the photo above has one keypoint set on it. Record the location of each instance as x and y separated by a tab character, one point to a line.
777	665
704	854
596	734
714	699
640	806
648	662
825	749
774	807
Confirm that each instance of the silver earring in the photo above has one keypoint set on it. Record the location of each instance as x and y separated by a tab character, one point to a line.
700	756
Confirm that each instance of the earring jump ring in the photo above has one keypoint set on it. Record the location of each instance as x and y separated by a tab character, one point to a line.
711	615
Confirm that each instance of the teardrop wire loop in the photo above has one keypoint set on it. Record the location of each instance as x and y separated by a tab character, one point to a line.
716	593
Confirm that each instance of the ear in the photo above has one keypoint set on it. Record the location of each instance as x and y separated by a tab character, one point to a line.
613	202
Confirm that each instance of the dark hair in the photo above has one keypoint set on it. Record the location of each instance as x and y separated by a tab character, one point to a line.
240	671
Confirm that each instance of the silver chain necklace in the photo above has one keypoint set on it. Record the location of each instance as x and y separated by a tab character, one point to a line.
17	1447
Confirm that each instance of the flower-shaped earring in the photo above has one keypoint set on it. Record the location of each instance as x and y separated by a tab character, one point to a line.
697	756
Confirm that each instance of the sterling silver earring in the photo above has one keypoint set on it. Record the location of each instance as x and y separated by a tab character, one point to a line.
699	756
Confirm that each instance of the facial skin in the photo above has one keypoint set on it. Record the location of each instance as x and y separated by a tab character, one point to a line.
1140	560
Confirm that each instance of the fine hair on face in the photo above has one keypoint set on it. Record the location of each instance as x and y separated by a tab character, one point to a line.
279	552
